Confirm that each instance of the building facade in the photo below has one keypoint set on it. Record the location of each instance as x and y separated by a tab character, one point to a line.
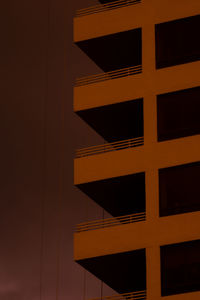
145	104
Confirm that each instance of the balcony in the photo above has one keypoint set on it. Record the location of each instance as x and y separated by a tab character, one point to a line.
105	242
92	225
123	272
111	17
95	168
127	296
105	7
122	197
127	88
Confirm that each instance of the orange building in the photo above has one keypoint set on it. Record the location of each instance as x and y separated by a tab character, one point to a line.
146	105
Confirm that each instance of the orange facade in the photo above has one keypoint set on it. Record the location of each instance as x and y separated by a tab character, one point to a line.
96	168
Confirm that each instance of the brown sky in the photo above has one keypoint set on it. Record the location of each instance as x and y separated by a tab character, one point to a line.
39	133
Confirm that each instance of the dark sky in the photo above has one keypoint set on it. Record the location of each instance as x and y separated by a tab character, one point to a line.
39	131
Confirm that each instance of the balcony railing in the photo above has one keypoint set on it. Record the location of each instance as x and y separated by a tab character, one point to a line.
93	150
108	75
127	296
103	223
104	7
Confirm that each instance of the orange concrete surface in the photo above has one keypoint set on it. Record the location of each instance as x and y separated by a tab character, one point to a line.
136	86
186	296
154	233
133	16
139	159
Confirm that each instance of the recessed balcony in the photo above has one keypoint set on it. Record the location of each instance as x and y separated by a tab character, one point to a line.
118	55
124	272
122	197
120	124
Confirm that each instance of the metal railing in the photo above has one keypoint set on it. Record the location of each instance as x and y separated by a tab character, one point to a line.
104	7
102	223
93	150
127	296
108	75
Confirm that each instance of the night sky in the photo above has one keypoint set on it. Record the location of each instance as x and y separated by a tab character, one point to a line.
39	133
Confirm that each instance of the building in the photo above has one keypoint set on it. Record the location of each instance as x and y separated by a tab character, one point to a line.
146	105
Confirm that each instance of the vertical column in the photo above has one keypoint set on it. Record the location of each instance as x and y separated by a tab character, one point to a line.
152	194
153	273
150	118
150	138
148	65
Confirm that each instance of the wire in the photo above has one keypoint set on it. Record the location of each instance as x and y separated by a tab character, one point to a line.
101	280
44	173
101	289
84	284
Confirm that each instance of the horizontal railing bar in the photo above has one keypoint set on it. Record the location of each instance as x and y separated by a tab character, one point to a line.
99	226
106	78
101	151
116	218
114	143
105	151
117	143
98	151
120	217
96	224
129	69
100	7
118	297
113	72
108	74
125	294
108	4
107	223
133	297
110	222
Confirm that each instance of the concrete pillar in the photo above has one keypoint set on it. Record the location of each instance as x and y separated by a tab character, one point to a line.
153	273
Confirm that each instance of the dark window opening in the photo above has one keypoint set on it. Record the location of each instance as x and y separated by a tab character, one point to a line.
180	268
177	42
179	189
178	114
